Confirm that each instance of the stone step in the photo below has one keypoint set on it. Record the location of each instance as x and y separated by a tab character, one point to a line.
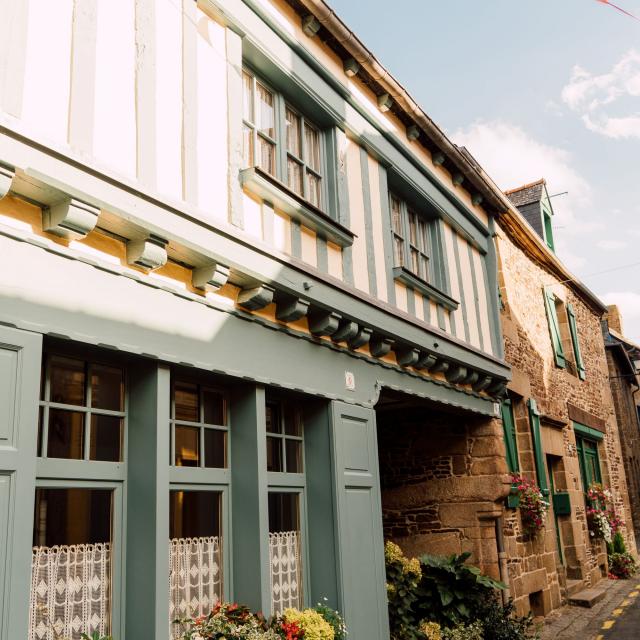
573	587
588	597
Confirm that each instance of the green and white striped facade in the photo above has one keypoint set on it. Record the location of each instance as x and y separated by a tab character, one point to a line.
133	232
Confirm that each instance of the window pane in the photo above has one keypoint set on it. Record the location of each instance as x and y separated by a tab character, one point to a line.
187	403
214	407
294	456
195	555
292	421
266	121
313	184
292	121
274	454
40	430
106	438
294	175
71	563
424	267
422	237
195	514
187	443
285	551
415	261
247	97
215	449
107	387
413	236
66	434
267	159
274	424
398	244
247	146
312	147
67	381
396	217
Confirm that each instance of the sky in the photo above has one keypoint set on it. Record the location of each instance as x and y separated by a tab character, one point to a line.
534	89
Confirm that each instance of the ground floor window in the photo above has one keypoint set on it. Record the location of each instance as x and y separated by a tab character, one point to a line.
285	551
589	461
195	554
71	563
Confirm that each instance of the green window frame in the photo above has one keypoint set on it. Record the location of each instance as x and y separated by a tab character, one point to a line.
538	453
588	455
573	329
554	328
510	437
283	142
548	230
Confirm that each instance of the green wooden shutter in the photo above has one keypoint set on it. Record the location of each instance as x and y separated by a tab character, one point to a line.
20	358
361	572
554	328
536	437
510	442
576	345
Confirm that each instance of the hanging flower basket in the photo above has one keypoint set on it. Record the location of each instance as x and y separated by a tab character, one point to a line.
533	507
602	521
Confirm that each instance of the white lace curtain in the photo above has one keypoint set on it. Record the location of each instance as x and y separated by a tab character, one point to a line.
195	578
70	591
286	570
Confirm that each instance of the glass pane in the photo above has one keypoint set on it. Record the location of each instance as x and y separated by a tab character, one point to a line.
396	217
66	434
422	237
413	236
40	430
292	421
67	381
313	184
247	97
398	244
274	423
215	449
294	175
266	119
312	147
214	407
195	514
187	443
294	456
71	563
267	159
187	402
424	267
107	387
274	454
284	512
247	146
106	438
415	262
292	121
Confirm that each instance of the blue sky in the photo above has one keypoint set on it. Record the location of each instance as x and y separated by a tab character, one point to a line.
534	88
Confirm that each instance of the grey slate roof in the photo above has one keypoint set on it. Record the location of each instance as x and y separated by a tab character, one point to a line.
527	194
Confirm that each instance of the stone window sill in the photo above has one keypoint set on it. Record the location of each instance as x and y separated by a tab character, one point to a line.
279	195
402	274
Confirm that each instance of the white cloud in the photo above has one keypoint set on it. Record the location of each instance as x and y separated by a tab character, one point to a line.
512	158
608	103
611	245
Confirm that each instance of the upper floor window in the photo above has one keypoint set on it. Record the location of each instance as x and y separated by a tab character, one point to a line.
411	238
281	141
284	438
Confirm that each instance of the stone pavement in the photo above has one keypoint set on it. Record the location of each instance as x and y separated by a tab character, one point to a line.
571	623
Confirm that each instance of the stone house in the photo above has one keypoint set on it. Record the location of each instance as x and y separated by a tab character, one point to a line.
559	419
623	358
249	320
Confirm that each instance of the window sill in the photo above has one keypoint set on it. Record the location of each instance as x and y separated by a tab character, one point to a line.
402	274
279	195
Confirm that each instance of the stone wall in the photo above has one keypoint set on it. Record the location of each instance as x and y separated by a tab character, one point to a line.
443	478
528	349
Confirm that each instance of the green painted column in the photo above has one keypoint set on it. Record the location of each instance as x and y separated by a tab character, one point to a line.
147	513
251	583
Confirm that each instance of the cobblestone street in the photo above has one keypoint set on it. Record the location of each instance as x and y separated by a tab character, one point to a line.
617	616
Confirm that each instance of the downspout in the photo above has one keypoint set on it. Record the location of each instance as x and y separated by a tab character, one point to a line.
502	561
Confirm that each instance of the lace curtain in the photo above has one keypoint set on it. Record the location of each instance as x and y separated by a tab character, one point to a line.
70	591
195	578
286	574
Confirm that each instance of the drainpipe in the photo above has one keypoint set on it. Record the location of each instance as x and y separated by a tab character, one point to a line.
502	561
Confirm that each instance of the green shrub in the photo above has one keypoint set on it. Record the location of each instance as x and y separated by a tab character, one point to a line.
403	578
500	622
621	566
451	591
471	631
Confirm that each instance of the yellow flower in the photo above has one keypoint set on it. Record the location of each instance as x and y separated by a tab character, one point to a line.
432	630
315	627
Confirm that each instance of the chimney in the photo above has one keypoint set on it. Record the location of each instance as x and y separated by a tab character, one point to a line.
614	318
